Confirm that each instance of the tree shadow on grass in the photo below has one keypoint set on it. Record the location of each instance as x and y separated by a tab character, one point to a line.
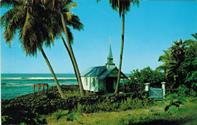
158	122
186	120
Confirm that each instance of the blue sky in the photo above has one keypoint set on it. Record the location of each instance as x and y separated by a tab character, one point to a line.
150	29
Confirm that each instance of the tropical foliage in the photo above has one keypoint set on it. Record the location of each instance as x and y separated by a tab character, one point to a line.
138	78
178	70
180	64
147	75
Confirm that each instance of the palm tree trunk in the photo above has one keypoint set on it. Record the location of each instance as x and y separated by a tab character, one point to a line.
121	54
52	72
69	53
72	57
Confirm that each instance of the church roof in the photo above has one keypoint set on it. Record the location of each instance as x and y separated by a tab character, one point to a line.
101	72
95	71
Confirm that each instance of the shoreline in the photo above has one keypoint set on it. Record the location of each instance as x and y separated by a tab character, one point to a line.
51	89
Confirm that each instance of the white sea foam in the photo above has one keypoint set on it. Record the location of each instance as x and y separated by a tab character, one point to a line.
37	78
50	78
11	84
23	85
15	84
11	78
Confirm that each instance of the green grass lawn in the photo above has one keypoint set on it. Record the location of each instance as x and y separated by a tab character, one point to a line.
186	114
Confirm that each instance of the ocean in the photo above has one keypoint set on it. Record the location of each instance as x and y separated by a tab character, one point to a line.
13	85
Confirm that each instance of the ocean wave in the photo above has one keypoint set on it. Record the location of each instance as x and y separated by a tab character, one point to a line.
12	78
50	78
23	85
38	78
15	84
30	84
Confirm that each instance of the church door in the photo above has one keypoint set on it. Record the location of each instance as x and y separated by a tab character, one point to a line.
110	84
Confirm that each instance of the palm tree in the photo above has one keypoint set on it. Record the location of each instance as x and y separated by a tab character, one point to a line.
166	59
179	62
195	36
54	25
62	9
178	51
191	46
72	56
24	18
122	6
173	62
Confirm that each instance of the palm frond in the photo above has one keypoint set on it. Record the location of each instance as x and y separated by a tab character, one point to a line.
35	31
195	35
122	6
38	25
11	21
75	22
70	5
27	25
70	36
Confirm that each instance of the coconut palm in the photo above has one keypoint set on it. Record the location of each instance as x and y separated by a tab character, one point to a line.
54	24
24	17
62	8
70	50
195	36
173	63
122	6
166	59
179	62
191	46
178	51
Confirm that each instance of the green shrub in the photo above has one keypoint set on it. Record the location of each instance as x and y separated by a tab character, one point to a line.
59	114
127	104
105	106
193	93
115	105
73	116
133	104
183	90
175	102
173	109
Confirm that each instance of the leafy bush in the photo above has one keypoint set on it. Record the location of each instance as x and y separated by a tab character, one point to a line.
128	103
139	77
73	116
132	104
183	90
155	77
175	101
59	114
